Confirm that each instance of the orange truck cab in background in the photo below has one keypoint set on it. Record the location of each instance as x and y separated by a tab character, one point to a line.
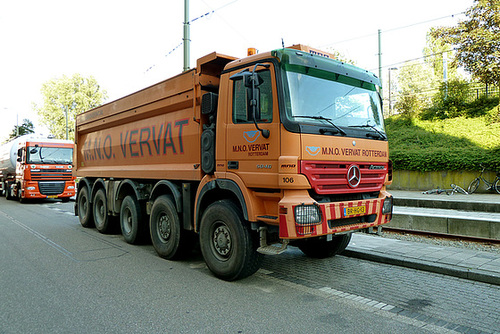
37	168
250	155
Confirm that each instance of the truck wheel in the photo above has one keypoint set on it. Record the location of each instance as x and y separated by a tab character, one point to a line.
226	242
8	192
100	212
19	194
84	208
130	216
165	228
321	248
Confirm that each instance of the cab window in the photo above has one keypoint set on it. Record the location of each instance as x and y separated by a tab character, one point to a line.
241	112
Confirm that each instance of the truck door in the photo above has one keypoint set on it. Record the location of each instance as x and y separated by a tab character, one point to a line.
249	154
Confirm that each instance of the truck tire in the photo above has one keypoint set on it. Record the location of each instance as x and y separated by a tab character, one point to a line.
8	192
20	195
165	228
85	208
100	212
130	221
320	248
226	241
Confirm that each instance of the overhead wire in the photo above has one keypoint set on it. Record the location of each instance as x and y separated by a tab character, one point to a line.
393	29
207	14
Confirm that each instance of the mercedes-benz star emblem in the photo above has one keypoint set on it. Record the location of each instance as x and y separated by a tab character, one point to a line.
353	176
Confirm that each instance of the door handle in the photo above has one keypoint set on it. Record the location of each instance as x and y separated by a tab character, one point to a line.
232	165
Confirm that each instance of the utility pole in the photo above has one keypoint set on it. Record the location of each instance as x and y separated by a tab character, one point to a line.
445	75
66	113
186	38
380	64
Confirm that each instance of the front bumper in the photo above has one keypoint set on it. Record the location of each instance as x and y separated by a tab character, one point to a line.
335	217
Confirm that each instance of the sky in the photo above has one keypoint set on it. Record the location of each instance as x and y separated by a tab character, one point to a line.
129	45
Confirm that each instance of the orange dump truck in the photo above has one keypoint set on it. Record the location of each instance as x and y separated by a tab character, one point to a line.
251	155
37	168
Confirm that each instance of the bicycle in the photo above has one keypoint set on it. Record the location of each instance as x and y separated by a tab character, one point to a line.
494	185
454	189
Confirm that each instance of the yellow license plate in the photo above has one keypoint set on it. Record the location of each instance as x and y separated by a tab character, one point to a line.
354	210
52	196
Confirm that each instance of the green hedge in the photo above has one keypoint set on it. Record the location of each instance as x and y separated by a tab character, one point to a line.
449	144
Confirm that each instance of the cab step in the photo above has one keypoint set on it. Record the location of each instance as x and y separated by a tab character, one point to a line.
275	249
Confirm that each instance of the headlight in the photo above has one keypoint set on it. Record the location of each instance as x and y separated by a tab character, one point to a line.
71	187
30	188
307	214
387	208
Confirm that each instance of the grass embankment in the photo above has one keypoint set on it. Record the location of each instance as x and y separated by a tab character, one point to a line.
444	144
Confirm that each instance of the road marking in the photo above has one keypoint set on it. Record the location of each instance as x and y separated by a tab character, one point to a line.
40	236
356	298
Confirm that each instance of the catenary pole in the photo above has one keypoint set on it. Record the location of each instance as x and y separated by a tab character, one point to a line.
186	38
380	63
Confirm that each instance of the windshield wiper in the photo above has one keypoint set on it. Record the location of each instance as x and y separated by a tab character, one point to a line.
329	120
379	134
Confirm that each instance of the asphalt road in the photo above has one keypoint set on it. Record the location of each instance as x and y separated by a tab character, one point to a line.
58	277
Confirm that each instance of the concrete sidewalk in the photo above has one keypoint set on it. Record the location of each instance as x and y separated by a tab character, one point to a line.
475	197
459	262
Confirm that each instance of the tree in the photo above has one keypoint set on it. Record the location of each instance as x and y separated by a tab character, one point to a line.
414	80
68	96
436	51
24	129
477	40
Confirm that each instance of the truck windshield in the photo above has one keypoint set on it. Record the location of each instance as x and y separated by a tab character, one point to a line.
49	155
321	98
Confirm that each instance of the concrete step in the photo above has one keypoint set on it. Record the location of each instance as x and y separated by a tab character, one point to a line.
448	221
473	202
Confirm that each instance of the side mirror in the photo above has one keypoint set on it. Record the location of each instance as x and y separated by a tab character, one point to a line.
20	155
252	81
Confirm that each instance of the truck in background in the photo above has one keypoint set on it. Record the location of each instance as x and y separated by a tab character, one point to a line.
35	168
253	154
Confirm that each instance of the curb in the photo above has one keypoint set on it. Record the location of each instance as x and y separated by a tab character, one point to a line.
471	274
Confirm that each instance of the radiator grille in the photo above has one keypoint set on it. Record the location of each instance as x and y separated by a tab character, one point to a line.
47	174
331	177
51	188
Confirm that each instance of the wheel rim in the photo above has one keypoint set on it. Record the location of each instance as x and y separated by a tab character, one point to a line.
221	241
164	228
100	212
127	221
83	207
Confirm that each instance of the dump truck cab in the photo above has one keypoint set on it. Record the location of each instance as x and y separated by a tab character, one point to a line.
302	137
